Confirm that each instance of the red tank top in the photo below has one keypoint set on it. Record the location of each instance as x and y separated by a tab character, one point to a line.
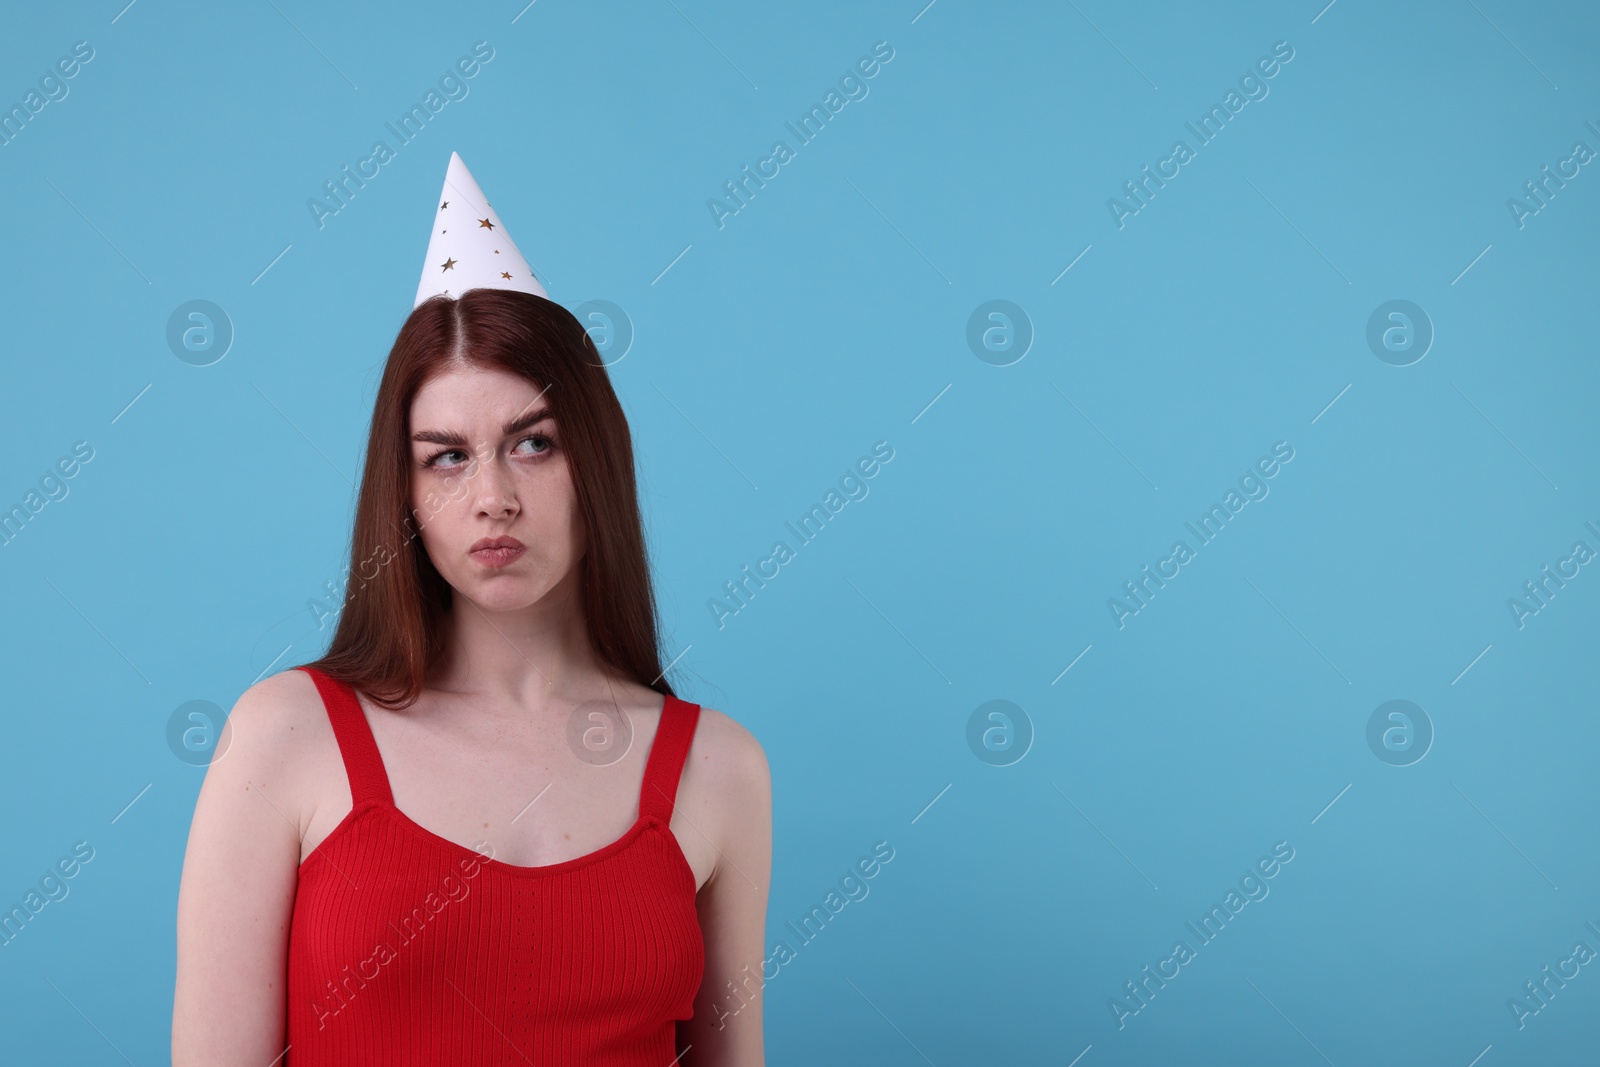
406	948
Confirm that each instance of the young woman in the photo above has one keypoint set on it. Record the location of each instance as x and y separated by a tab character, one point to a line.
481	829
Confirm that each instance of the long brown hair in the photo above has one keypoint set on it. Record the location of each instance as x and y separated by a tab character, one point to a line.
390	632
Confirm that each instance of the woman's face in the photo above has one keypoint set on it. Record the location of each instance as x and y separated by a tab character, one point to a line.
487	463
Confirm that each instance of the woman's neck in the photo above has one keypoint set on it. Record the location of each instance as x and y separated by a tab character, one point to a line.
534	658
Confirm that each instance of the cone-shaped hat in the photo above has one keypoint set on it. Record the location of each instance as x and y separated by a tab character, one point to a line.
468	248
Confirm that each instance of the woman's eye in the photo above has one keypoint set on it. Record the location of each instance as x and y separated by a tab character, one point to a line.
433	460
542	439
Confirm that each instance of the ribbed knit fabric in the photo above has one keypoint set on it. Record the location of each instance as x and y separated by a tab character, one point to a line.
406	948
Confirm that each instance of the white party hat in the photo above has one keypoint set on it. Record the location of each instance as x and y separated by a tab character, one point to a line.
468	248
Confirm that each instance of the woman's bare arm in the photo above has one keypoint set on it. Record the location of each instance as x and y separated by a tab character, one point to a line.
237	892
726	1030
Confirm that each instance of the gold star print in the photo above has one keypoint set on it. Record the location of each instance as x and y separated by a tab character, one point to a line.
486	224
444	205
503	274
448	264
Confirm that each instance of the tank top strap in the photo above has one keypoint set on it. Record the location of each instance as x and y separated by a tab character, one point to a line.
667	754
362	763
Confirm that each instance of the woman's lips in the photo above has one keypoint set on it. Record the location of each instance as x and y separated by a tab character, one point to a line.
497	557
497	551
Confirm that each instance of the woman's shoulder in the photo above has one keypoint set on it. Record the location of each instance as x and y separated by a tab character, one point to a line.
275	724
259	784
280	705
726	755
727	789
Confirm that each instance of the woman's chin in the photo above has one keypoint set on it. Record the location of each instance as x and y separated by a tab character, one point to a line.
502	592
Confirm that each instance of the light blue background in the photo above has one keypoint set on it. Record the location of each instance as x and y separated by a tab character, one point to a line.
825	316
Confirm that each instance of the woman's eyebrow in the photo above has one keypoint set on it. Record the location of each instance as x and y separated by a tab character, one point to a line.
450	437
